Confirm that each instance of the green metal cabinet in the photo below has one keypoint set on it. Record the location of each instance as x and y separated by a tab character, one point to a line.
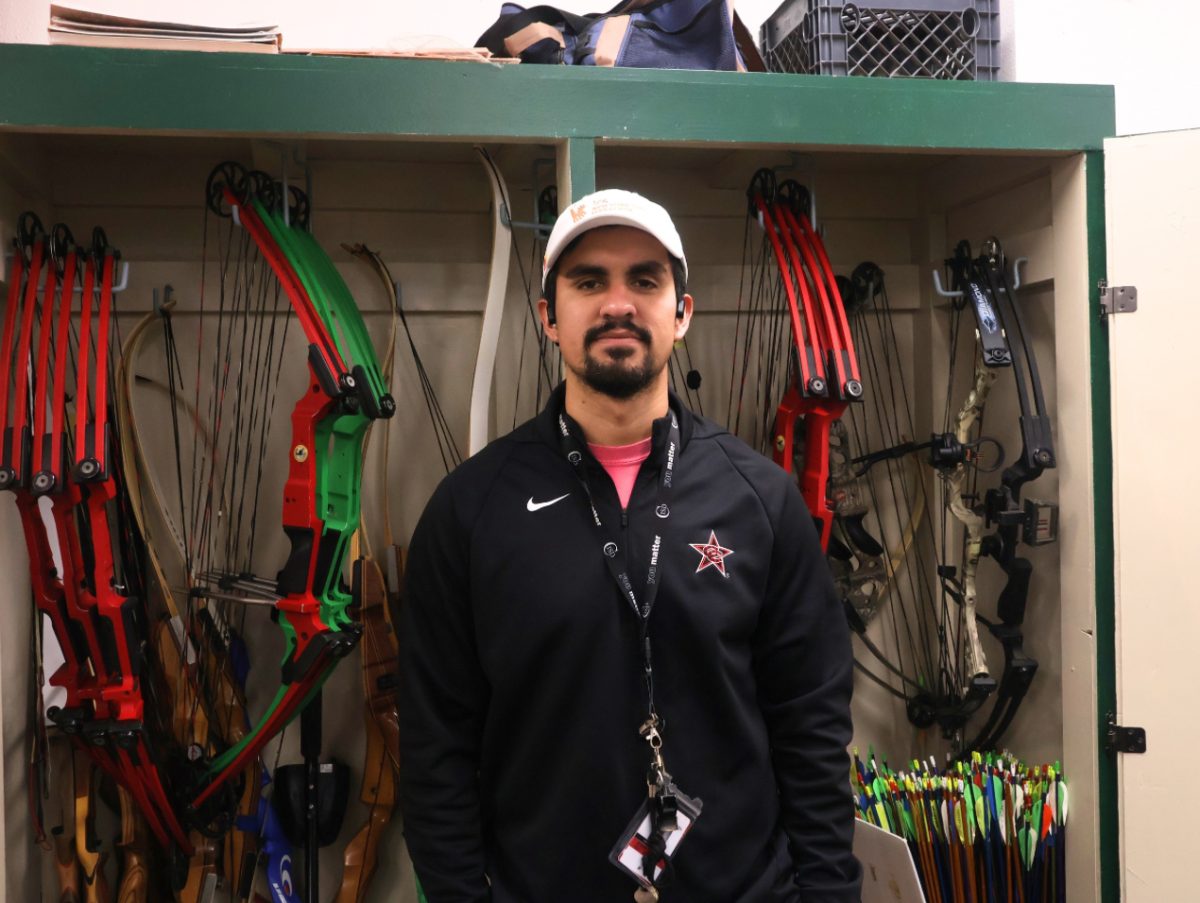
946	146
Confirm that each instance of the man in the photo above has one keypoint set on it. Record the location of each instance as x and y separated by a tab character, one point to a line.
617	618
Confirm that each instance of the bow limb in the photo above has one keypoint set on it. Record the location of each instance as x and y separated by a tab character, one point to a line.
60	756
134	886
16	430
493	311
380	655
811	375
91	860
447	447
138	472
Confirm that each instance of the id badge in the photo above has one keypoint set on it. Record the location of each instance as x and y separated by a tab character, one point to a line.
629	852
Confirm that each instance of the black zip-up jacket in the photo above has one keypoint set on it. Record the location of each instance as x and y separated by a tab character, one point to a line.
521	679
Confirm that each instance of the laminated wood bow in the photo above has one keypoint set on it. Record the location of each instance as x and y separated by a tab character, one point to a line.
379	648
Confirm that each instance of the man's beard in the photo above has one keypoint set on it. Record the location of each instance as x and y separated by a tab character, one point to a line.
613	376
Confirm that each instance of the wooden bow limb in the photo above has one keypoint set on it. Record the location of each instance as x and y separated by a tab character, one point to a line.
135	872
190	728
379	791
240	848
87	848
60	815
380	653
66	867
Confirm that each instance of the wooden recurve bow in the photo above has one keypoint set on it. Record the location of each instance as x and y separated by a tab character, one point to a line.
87	848
381	763
135	869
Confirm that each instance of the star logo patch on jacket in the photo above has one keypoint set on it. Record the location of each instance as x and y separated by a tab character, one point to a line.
712	554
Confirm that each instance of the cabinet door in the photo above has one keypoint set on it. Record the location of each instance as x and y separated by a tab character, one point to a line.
1152	201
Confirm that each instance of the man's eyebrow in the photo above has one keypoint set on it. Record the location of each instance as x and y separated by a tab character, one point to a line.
585	269
648	268
642	268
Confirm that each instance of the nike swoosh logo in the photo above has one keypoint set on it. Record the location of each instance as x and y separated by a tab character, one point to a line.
531	505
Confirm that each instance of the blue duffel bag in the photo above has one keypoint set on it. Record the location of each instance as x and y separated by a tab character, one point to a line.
649	34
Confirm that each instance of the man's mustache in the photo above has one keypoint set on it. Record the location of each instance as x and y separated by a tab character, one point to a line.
598	332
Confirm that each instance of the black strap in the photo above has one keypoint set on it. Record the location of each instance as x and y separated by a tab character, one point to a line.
616	557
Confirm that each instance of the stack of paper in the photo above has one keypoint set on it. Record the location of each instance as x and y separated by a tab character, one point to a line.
132	23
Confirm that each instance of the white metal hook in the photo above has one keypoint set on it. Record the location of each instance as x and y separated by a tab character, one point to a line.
122	283
120	286
937	280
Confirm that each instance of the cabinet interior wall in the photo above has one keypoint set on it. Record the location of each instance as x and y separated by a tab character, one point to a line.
425	207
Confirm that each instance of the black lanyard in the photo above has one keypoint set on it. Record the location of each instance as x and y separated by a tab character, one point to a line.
615	557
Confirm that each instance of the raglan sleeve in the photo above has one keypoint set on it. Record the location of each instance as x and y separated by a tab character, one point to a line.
442	701
804	673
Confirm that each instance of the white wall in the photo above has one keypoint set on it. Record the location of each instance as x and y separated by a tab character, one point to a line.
1144	52
1143	49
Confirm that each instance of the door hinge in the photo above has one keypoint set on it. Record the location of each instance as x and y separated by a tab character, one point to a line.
1117	299
1121	739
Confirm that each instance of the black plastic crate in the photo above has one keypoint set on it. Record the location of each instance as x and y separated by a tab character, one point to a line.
947	39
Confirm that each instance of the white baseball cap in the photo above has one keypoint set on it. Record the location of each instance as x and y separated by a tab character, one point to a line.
612	207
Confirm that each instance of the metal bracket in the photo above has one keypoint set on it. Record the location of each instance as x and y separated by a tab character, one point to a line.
1121	739
506	219
1117	299
944	292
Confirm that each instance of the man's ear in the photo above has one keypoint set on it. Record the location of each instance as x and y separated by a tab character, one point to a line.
548	326
683	322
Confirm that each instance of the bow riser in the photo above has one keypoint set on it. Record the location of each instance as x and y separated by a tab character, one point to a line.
976	680
50	598
814	477
314	560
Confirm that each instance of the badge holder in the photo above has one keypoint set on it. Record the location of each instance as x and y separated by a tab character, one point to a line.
654	834
631	851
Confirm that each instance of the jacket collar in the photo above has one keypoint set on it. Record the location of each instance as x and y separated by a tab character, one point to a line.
547	423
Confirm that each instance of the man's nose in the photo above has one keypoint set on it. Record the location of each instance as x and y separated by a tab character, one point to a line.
618	302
